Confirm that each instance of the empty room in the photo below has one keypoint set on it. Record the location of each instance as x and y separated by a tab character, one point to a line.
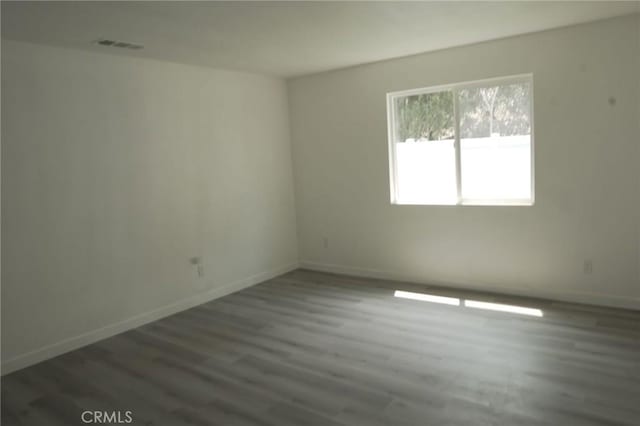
320	213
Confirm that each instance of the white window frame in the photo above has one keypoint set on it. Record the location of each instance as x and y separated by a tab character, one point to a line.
454	88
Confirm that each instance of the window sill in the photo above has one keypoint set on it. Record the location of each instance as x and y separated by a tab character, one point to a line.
471	203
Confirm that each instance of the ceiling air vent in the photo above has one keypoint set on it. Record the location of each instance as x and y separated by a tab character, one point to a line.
120	44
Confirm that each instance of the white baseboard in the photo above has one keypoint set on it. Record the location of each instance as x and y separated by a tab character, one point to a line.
72	343
565	296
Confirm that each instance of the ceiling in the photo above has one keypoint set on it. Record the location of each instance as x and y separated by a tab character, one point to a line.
288	38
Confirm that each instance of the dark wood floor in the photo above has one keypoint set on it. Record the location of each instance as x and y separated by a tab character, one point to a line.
318	349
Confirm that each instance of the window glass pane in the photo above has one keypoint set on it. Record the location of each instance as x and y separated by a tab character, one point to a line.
495	140
425	160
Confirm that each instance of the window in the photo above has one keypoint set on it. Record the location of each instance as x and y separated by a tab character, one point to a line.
467	143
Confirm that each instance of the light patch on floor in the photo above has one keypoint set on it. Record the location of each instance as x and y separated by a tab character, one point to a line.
427	297
476	304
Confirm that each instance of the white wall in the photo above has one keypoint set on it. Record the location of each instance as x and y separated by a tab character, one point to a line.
115	172
587	172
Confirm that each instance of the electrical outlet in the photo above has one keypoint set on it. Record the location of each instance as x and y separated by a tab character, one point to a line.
588	267
197	262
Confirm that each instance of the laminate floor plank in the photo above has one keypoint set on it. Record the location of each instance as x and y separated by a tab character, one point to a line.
311	348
